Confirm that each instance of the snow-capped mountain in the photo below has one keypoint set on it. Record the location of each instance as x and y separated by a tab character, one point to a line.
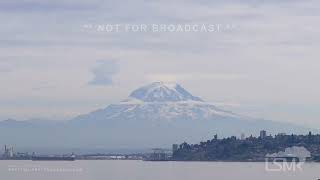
159	101
163	113
155	115
163	92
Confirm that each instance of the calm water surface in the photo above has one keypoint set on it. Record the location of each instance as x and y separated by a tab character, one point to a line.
141	170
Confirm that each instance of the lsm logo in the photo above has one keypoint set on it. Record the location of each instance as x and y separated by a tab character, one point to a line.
292	159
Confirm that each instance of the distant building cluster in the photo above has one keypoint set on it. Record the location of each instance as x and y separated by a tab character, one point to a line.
9	153
262	135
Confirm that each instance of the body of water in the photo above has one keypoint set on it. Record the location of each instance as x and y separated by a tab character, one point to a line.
142	170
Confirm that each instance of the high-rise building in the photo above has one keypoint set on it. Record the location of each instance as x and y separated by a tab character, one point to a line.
243	136
263	134
174	148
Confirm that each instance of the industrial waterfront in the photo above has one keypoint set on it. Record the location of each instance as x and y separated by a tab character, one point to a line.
292	147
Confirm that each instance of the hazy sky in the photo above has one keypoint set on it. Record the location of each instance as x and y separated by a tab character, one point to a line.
266	66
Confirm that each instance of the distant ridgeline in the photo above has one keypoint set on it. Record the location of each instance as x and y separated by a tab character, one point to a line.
246	149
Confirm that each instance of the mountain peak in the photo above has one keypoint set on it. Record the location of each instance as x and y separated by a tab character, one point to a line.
163	92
